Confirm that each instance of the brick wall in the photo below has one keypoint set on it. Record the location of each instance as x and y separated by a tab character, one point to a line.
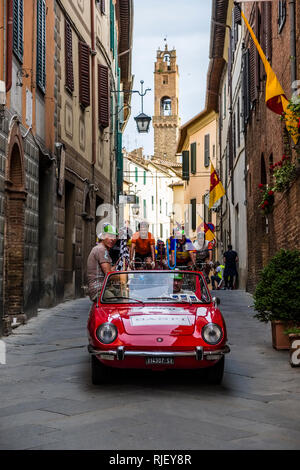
265	136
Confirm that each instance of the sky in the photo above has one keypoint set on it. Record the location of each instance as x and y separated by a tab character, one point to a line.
186	25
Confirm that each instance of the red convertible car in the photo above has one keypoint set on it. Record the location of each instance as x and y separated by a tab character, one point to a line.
156	320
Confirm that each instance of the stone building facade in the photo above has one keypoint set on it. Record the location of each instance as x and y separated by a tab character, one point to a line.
266	139
166	119
60	134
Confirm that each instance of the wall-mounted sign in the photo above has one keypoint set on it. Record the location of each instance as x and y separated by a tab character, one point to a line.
127	199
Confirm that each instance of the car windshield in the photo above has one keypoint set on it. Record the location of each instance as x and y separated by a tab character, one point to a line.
151	286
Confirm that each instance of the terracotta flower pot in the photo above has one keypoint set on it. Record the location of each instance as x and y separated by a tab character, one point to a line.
279	339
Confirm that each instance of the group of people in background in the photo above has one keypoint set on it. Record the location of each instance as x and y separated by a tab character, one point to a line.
127	250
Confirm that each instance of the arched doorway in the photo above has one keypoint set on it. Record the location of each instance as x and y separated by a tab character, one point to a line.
15	196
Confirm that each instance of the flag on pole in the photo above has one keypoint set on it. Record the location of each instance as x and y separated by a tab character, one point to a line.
216	188
275	96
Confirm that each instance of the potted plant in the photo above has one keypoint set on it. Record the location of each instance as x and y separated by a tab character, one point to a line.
294	342
267	201
277	295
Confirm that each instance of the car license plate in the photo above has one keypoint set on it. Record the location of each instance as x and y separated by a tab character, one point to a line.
160	360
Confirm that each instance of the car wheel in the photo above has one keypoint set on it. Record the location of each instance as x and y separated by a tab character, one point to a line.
215	372
100	373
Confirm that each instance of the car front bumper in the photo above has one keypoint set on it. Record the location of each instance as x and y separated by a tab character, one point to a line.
199	353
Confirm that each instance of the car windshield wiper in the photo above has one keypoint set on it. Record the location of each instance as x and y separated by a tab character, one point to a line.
123	297
170	298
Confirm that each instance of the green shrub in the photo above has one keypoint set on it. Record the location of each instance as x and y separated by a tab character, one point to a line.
277	295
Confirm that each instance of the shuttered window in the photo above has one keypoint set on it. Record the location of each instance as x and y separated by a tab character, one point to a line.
193	157
185	165
69	57
41	45
136	174
230	59
18	29
246	87
206	150
193	204
84	74
112	27
266	29
254	59
145	177
103	96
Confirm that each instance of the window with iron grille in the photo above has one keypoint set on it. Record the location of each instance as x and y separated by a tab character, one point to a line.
281	14
103	96
18	29
84	74
69	57
101	5
41	46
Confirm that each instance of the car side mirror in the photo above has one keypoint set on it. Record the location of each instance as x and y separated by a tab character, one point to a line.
216	301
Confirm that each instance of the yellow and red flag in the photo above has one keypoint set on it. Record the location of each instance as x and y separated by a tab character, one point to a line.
275	96
216	188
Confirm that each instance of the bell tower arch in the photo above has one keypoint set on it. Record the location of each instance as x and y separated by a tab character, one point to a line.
166	119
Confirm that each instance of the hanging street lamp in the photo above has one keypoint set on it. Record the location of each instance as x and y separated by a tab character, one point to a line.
142	120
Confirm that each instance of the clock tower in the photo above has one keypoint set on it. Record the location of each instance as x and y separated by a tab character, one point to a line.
166	118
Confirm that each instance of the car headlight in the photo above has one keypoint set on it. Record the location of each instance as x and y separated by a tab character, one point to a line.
212	333
106	333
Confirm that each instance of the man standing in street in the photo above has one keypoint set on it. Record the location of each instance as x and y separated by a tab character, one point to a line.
99	261
230	271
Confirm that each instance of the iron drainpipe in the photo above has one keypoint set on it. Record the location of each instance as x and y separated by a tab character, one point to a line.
93	52
292	12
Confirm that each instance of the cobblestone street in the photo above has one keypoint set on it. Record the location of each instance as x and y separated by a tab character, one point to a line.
48	401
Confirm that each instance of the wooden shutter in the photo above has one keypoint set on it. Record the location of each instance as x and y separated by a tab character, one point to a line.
246	87
266	29
41	46
18	15
103	96
206	150
193	157
112	27
69	57
185	165
230	58
254	58
84	74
